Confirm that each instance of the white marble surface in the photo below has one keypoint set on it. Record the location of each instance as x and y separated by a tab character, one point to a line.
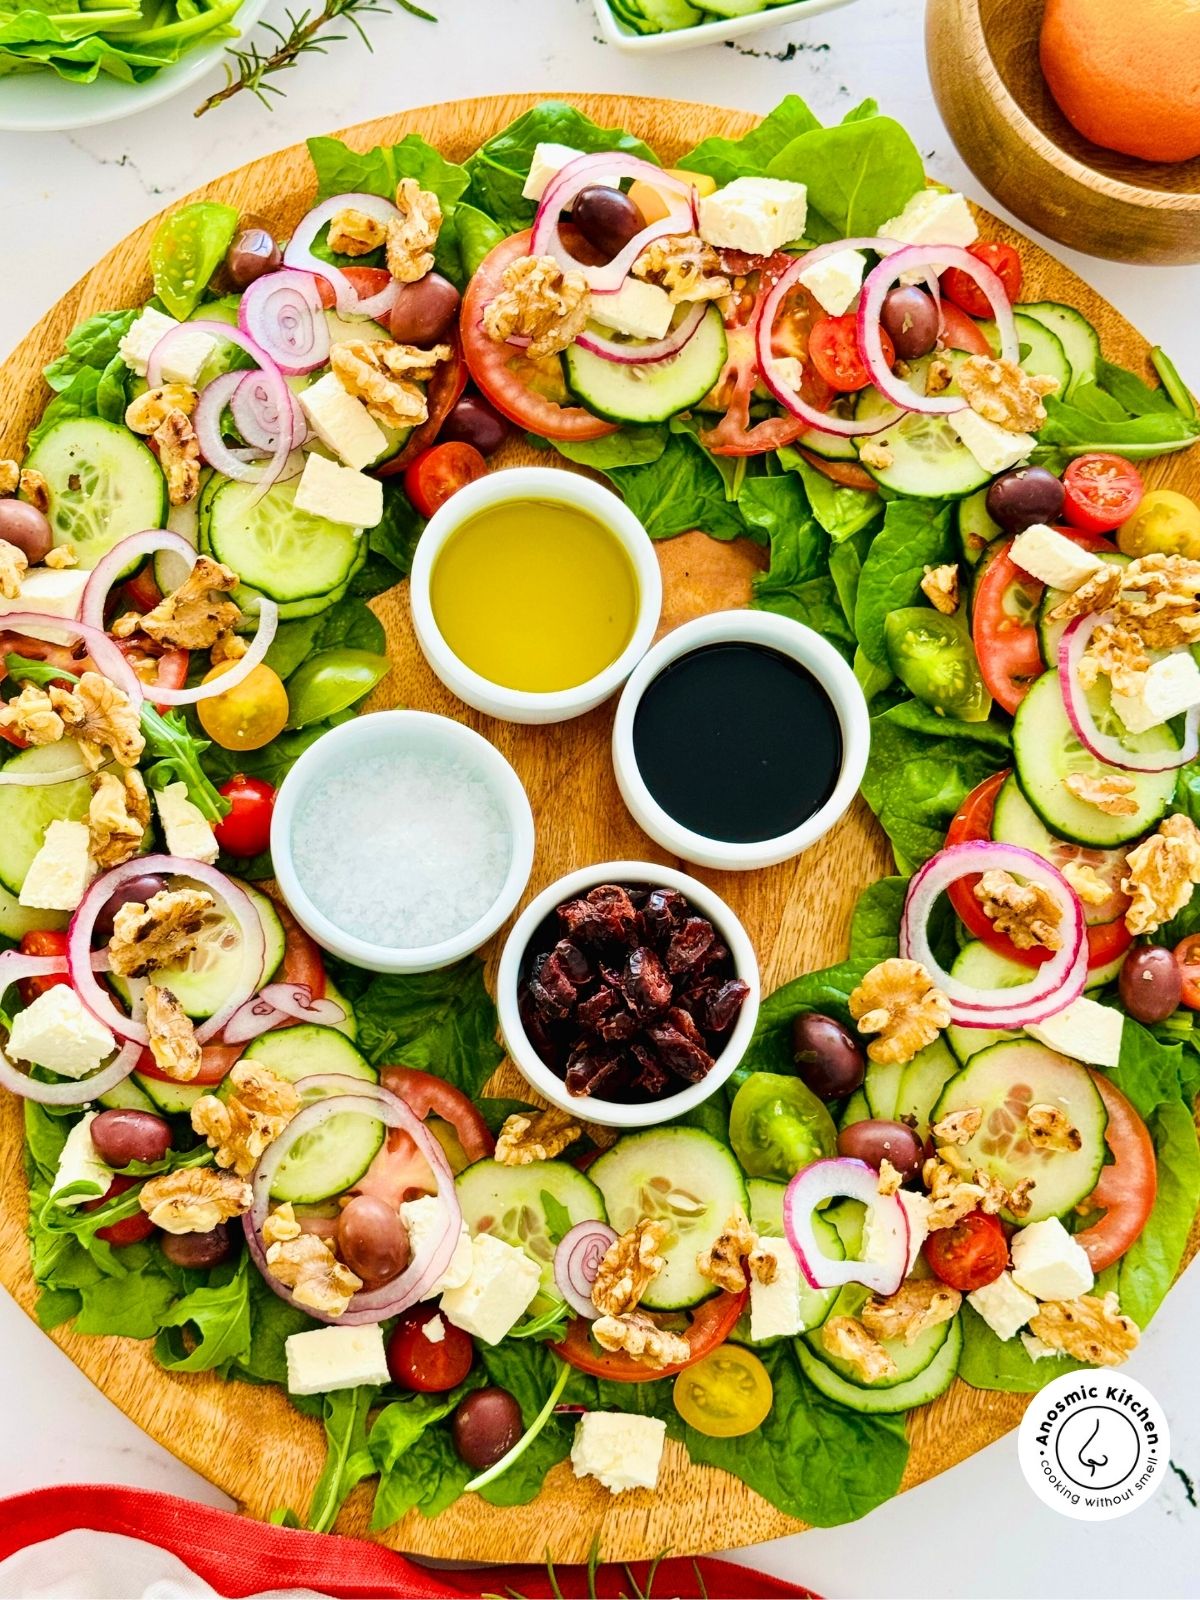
978	1531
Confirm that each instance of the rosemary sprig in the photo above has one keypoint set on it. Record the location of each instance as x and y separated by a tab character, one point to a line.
305	35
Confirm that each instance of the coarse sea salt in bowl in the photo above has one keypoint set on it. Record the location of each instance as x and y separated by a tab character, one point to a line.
402	841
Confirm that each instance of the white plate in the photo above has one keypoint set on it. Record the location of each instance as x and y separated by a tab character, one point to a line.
715	32
42	102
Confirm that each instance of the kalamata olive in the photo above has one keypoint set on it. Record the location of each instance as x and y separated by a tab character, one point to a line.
133	889
827	1057
474	421
372	1240
26	527
1024	496
423	311
252	253
124	1136
198	1250
485	1426
606	218
873	1141
1150	983
910	319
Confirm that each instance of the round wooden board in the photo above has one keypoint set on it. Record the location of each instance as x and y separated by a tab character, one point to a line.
249	1441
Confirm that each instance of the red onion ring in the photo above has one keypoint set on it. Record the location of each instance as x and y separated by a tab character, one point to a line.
1104	746
576	1262
257	420
277	1003
80	1090
1056	983
428	1265
583	171
836	1177
283	314
299	252
641	355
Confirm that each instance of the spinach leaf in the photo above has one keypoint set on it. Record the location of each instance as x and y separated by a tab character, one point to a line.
749	156
274	761
628	447
93	343
859	174
680	489
78	399
841	512
187	248
347	1459
395	536
1132	393
845	568
465	239
798	583
444	1022
915	534
272	1323
875	925
415	1469
216	1316
528	1371
341	170
829	990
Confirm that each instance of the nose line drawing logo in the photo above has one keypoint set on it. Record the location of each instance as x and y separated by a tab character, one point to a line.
1090	1463
1093	1446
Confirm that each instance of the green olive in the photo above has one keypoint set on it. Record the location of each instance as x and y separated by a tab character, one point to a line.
332	681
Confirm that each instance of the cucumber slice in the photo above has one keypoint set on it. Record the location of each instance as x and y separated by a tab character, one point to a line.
521	1205
653	392
1014	821
1003	1082
349	1023
882	1086
934	1380
688	1179
856	1109
911	1359
287	554
830	446
127	1096
104	485
925	1076
1045	751
928	459
976	964
1079	340
25	814
1042	353
976	530
175	1099
667	15
1051	632
766	1218
17	920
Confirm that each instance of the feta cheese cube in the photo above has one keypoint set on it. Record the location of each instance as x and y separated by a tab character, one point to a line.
58	1033
80	1163
642	310
916	1209
339	493
335	1358
342	423
434	1330
775	1307
548	161
995	449
503	1281
1085	1030
1049	1263
59	874
759	215
1003	1306
185	826
835	281
620	1450
1044	553
136	346
1168	688
932	217
53	590
187	356
423	1216
1037	1349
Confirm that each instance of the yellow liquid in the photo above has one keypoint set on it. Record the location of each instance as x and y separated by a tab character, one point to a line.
534	595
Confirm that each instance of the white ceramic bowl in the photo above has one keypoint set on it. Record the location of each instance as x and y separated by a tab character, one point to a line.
613	1113
548	485
715	32
370	735
790	639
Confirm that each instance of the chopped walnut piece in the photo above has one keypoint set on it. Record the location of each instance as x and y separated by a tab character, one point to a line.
919	1304
721	1262
1115	651
1027	912
100	717
31	716
951	1196
877	453
1096	593
1020	1198
628	1268
353	233
1112	793
228	647
1048	1128
640	1336
281	1225
939	375
179	457
118	815
940	588
309	1268
889	1179
35	489
60	557
10	475
1086	882
846	1339
172	1036
1163	870
412	235
539	1136
1090	1328
898	1000
683	265
539	302
150	410
14	564
386	377
158	933
1002	392
194	1199
1160	600
259	1107
192	617
958	1127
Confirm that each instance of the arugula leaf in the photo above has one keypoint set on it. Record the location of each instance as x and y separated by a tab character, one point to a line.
749	156
341	170
348	1459
444	1021
528	1371
93	344
216	1319
859	174
176	753
915	534
187	248
628	447
680	489
558	1218
1070	431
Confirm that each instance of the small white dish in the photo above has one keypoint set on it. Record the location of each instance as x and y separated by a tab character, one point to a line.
790	639
369	737
549	486
615	1113
717	31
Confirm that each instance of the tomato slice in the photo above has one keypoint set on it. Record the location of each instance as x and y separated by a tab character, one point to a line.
834	350
959	332
442	394
531	394
1004	629
171	673
400	1171
848	474
366	282
711	1325
1127	1186
959	286
1187	955
302	963
215	1062
441	471
1102	492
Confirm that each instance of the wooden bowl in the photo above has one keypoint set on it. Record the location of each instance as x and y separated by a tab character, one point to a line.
983	62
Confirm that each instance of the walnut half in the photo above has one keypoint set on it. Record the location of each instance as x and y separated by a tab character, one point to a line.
630	1265
1090	1328
919	1304
308	1267
640	1337
539	1136
899	1001
239	1129
194	1199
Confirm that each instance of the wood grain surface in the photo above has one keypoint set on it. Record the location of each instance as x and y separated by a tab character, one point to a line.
249	1441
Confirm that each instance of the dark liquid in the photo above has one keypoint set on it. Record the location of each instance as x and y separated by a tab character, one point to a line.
738	742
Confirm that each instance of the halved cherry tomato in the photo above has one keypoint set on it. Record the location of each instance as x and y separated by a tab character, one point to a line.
1187	954
417	1362
246	829
960	333
833	350
711	1325
366	282
400	1171
42	942
1128	1185
726	1394
441	471
1102	492
961	288
215	1062
171	672
142	589
972	1253
442	394
130	1230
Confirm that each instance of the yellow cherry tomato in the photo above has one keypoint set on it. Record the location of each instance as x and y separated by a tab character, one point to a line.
650	201
726	1394
1166	523
250	714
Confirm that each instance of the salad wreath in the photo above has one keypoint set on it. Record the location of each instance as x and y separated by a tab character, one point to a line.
967	1149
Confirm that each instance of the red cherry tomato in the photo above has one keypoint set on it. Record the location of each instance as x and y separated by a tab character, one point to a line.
366	282
130	1230
441	471
970	1254
142	589
1102	492
960	333
959	286
171	673
246	830
833	348
1187	954
42	942
416	1362
1128	1184
711	1325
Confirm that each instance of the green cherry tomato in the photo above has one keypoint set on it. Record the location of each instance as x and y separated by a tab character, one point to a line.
934	659
331	681
188	247
777	1125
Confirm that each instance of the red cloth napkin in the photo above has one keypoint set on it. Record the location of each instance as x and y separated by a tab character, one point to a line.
239	1557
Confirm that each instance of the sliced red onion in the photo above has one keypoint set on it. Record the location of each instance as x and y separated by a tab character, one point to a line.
578	175
78	1091
428	1265
576	1262
839	1177
253	406
1105	746
299	251
1055	984
280	1002
642	355
282	313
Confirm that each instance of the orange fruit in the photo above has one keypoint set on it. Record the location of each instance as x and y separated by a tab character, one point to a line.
1126	73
